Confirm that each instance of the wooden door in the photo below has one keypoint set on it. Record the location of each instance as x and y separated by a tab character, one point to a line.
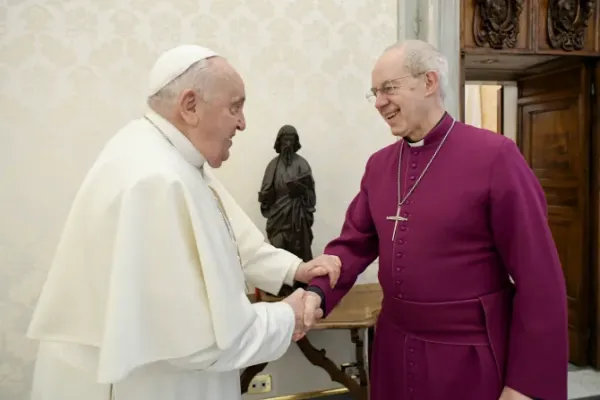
554	135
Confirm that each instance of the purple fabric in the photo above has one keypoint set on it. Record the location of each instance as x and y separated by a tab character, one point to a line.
477	216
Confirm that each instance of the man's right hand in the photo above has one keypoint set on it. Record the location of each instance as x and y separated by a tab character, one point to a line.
296	301
312	314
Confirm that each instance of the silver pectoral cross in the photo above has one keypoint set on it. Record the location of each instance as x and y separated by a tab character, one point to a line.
396	218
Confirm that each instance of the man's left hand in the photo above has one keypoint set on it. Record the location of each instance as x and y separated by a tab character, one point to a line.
511	394
320	266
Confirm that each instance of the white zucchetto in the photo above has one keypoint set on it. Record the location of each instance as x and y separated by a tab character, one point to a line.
173	63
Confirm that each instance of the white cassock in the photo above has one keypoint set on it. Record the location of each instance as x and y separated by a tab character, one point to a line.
146	297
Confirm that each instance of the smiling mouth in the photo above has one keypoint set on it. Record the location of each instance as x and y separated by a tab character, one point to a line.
392	115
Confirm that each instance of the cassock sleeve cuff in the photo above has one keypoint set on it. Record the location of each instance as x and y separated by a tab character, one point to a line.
318	291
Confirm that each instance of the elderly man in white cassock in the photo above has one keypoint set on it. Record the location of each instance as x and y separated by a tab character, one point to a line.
146	297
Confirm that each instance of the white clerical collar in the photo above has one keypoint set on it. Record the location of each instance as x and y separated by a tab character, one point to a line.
416	144
177	139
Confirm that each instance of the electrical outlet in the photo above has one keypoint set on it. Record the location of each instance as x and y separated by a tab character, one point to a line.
350	369
260	384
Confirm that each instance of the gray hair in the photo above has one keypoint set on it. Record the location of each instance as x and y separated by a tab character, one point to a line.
199	77
420	57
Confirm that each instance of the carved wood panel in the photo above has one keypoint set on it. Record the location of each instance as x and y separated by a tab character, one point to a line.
567	25
551	27
495	24
554	136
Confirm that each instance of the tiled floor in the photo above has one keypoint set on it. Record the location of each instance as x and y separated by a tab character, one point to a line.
584	384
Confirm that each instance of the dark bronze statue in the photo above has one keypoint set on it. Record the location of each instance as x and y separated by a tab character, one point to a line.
287	198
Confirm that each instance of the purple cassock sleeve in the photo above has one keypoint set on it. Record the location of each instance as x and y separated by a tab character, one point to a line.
538	340
357	247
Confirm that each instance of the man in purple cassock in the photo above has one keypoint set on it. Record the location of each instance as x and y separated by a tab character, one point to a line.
474	303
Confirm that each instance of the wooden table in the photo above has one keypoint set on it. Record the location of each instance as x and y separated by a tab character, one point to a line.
358	310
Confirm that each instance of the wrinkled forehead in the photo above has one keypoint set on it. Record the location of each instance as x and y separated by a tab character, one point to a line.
237	84
229	81
388	67
234	86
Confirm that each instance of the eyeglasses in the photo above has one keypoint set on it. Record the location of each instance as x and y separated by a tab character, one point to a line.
387	89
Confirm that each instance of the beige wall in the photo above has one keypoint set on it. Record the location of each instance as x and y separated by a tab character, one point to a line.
74	71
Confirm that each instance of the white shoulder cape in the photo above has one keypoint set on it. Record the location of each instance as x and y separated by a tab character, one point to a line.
145	269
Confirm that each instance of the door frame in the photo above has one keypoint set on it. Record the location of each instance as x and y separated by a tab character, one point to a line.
500	111
595	211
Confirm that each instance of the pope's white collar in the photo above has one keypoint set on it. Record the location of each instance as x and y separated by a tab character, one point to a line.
177	139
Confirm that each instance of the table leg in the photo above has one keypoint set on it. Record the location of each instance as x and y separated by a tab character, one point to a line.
360	357
371	336
318	358
248	374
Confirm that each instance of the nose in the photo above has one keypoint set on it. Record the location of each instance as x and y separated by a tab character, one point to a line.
241	125
381	101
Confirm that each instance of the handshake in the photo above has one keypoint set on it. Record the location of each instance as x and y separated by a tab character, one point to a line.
307	309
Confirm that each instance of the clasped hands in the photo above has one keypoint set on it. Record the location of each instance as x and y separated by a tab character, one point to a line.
307	310
307	305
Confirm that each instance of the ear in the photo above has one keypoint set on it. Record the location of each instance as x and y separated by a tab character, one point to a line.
189	102
432	83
